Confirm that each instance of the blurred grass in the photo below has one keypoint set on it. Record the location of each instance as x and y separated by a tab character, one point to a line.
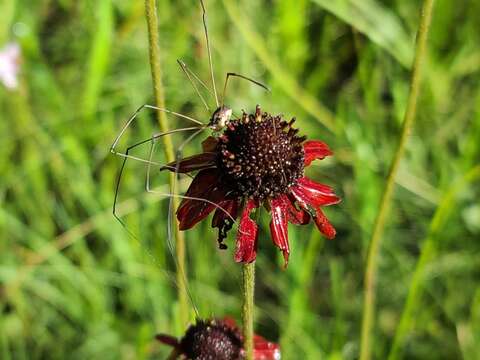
74	284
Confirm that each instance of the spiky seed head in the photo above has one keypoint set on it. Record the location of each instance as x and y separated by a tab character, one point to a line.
260	155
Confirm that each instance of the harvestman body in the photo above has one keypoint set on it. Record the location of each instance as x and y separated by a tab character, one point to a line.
218	120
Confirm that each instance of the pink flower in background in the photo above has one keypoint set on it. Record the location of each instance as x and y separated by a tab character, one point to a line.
9	65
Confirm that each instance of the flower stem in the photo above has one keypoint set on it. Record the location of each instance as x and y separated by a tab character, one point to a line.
248	271
373	253
156	70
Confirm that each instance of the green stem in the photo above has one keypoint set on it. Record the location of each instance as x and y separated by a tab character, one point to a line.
373	253
248	272
156	70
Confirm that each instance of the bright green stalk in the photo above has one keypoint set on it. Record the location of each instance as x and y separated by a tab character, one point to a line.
248	273
155	65
373	253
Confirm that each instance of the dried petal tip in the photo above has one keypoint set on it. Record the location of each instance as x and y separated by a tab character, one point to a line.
247	236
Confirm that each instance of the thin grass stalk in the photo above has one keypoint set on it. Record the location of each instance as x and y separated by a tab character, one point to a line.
248	274
428	252
375	241
159	94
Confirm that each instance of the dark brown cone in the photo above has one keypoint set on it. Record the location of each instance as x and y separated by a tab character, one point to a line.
212	340
260	156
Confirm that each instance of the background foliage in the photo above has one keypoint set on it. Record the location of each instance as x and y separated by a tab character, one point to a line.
74	284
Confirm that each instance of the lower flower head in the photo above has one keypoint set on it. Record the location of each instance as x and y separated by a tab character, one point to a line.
219	340
258	160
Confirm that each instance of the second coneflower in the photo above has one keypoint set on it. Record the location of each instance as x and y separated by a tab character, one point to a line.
218	339
257	160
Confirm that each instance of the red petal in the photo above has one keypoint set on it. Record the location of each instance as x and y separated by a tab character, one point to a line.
265	350
262	348
209	144
247	235
224	218
204	186
230	322
226	208
279	225
301	197
297	216
307	204
191	163
324	225
315	150
167	339
318	194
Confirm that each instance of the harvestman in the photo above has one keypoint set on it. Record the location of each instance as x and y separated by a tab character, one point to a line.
218	120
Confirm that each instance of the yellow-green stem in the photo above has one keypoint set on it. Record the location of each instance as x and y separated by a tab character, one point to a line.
375	241
156	69
248	275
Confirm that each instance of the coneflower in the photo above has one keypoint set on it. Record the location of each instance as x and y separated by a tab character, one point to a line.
255	160
216	339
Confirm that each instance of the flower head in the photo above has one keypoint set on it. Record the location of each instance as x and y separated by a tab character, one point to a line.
257	160
9	65
217	339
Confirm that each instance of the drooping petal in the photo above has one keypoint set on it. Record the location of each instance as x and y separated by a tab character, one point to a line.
264	349
311	206
318	194
297	216
192	163
209	144
279	225
302	198
247	235
167	340
224	218
194	211
204	193
226	209
202	182
315	149
325	227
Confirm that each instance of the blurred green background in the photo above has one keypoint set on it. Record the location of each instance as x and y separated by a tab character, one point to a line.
74	284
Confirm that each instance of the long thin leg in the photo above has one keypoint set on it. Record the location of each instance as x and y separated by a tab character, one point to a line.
156	136
149	162
134	115
196	77
173	194
241	77
209	52
189	73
